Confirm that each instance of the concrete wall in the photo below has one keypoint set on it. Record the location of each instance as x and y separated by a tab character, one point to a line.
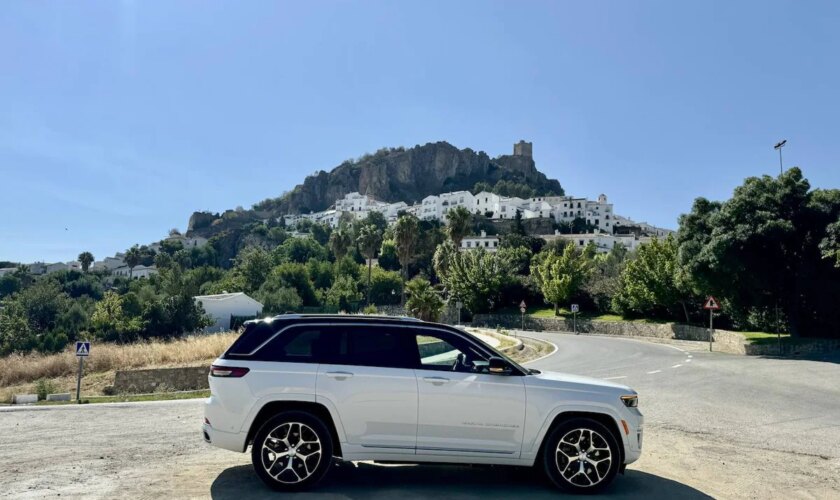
161	379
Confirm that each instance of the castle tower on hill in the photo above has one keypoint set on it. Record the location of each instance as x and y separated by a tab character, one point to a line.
523	148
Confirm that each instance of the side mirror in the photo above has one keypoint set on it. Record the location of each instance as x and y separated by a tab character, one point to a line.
497	366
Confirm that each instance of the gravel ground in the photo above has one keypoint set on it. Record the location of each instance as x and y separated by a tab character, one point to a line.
154	450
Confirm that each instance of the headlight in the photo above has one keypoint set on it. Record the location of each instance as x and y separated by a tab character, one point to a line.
630	401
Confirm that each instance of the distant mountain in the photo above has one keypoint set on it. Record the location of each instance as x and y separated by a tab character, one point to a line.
397	174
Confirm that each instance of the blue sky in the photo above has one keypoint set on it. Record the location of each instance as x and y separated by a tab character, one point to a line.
118	119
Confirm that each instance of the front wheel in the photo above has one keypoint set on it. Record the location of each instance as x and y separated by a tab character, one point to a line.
581	456
292	451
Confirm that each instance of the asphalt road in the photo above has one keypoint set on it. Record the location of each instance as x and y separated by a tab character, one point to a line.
716	426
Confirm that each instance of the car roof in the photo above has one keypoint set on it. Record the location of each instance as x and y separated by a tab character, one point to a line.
336	318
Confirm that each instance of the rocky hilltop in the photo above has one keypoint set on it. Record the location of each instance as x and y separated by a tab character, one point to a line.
396	174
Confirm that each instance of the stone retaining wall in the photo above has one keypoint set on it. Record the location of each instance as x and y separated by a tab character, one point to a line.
724	341
161	379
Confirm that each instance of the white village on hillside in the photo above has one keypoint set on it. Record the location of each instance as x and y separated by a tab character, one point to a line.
608	229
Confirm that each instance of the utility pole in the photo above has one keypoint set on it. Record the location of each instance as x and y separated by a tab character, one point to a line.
779	145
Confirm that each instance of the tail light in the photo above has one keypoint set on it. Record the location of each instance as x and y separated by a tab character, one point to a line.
228	371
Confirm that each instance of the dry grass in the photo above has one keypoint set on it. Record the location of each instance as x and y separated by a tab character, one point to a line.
22	369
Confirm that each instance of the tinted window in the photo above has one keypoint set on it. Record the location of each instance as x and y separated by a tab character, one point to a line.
252	337
296	345
376	346
443	352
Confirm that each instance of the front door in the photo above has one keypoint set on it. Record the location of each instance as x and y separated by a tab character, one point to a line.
463	411
369	381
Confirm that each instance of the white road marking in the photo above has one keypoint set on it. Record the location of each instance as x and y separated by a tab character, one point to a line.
690	356
654	371
676	366
688	360
615	378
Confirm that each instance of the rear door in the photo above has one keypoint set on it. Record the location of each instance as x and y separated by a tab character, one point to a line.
462	411
369	380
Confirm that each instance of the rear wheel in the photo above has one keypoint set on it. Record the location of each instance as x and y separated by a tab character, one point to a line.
292	451
581	456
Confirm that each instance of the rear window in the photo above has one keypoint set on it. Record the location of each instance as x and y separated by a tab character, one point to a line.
296	345
254	335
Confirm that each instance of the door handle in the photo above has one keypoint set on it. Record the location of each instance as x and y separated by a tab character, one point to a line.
436	380
339	375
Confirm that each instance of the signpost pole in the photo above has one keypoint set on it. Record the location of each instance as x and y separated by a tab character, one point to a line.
79	380
711	328
574	322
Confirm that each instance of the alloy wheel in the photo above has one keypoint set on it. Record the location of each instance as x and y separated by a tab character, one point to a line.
291	452
583	457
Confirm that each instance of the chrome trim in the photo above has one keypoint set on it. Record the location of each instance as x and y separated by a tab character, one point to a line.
465	450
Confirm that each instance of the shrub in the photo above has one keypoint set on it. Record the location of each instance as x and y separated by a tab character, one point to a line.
44	387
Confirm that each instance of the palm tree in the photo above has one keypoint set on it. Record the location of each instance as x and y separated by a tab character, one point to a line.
406	236
132	258
340	241
85	259
458	224
424	301
370	239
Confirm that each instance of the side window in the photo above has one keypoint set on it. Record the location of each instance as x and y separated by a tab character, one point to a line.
376	346
442	352
296	345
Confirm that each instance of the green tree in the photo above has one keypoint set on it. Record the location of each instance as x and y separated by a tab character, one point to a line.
603	283
9	284
294	275
560	276
299	250
110	321
406	233
132	259
459	221
386	287
278	299
424	302
344	294
475	277
763	248
340	242
648	285
253	264
85	259
388	257
370	239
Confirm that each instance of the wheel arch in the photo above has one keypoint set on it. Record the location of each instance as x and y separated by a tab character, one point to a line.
272	408
603	418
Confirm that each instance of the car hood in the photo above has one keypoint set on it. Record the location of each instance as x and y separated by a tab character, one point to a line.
575	382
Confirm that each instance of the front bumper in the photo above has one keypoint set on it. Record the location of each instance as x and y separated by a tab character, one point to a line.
633	439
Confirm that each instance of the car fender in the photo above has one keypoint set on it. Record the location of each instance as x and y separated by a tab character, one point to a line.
532	448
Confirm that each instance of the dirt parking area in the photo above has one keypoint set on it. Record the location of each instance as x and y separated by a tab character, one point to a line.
154	450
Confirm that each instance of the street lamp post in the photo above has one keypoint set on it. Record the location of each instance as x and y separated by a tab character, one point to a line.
779	146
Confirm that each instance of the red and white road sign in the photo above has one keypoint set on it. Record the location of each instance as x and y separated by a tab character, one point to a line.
711	304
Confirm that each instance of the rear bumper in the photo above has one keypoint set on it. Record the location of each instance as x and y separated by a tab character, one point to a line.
226	440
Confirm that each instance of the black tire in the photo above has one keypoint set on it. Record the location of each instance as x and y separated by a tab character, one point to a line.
587	440
279	446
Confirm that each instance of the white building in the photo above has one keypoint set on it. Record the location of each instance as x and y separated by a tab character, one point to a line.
110	263
603	242
221	307
489	243
136	273
6	270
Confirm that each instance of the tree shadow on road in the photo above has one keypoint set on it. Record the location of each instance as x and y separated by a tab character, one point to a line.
370	481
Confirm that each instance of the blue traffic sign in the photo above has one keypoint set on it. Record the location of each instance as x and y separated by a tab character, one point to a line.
82	349
575	308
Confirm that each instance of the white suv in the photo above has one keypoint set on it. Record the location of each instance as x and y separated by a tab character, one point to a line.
304	389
